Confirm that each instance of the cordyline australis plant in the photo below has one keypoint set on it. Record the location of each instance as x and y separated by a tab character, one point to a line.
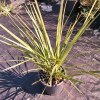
37	45
4	8
87	4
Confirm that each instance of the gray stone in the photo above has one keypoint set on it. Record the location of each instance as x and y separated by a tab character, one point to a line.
47	8
96	32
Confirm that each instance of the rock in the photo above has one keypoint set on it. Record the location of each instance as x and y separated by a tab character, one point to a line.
17	3
96	32
96	95
47	8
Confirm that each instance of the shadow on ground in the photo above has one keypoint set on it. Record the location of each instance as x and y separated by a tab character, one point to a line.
15	82
12	84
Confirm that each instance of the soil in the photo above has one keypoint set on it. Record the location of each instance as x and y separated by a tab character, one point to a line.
89	45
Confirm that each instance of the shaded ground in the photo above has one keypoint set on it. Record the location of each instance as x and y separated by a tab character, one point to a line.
90	61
